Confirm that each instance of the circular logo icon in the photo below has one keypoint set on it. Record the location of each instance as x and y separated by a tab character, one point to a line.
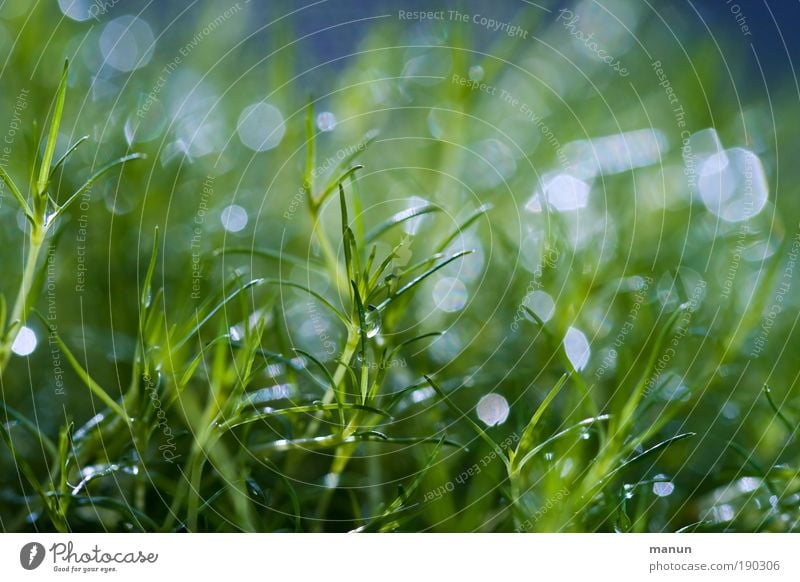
31	555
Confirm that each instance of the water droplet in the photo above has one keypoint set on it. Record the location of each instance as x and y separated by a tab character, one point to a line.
476	73
25	342
326	121
577	348
373	322
450	294
492	409
234	218
663	488
78	10
565	192
548	456
127	43
733	184
567	467
748	484
541	304
261	127
687	284
672	388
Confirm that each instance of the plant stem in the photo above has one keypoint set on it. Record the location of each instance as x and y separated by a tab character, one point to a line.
22	304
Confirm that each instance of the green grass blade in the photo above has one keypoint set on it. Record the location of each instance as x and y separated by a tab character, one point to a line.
460	414
791	427
480	211
526	440
96	389
66	155
399	218
17	194
96	176
311	292
416	281
279	256
55	124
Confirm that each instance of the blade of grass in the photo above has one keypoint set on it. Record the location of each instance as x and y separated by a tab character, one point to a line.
55	124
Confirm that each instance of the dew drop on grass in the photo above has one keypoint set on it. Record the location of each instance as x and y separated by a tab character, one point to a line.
450	294
733	184
663	488
373	322
25	342
476	73
127	43
577	348
234	218
261	126
326	121
541	304
492	409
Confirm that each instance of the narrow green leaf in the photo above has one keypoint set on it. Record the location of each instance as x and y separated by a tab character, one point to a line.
480	211
547	442
305	409
214	311
55	124
83	374
786	422
96	176
416	281
460	414
311	292
66	155
17	194
526	440
399	218
278	255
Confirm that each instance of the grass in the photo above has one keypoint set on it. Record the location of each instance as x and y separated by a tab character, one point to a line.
311	372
